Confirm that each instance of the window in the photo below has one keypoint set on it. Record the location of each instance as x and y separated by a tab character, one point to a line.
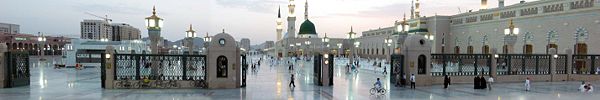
486	17
508	14
529	11
471	19
553	8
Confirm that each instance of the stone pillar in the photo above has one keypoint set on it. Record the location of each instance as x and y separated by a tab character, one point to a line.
110	68
552	63
494	63
3	49
569	63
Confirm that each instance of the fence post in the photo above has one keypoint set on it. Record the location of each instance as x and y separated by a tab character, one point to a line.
569	63
553	63
493	64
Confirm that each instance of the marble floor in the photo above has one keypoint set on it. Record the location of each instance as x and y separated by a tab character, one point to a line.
271	83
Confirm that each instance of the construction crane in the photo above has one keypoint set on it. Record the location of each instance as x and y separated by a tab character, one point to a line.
105	18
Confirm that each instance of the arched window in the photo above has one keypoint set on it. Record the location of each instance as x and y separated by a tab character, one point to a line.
470	49
551	46
457	50
528	49
485	49
222	66
422	64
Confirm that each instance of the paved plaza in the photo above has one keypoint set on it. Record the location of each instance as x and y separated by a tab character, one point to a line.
271	83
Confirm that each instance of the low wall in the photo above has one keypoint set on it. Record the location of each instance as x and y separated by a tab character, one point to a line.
425	80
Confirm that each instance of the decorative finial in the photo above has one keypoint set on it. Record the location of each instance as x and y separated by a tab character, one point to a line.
223	30
279	12
325	34
351	29
153	10
190	26
206	34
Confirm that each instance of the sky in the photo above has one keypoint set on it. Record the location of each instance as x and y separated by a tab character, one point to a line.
253	19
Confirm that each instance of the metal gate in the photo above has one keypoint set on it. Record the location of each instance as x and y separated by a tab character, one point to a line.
317	69
244	70
17	69
397	63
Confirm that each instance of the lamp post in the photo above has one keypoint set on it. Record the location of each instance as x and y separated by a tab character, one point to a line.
339	45
388	42
325	45
42	41
307	42
351	37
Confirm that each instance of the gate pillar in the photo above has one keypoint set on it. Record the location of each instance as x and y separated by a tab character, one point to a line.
108	68
223	62
3	65
417	54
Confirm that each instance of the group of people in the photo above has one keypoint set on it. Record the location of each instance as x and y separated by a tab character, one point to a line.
479	82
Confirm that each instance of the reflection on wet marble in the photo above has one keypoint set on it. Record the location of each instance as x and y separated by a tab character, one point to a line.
271	83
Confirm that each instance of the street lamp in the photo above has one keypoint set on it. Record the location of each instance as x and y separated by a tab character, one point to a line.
42	40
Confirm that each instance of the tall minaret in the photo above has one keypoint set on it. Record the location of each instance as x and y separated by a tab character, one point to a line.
500	3
306	10
412	9
483	4
417	9
291	33
279	26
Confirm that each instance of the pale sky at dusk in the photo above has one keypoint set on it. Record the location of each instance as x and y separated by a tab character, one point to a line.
254	19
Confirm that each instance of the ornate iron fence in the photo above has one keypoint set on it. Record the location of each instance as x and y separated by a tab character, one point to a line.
523	64
460	64
166	67
561	64
586	64
17	69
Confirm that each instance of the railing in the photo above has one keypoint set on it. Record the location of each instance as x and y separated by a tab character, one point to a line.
523	64
561	64
585	64
166	67
460	64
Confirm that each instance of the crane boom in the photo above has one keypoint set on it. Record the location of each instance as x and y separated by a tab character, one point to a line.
105	18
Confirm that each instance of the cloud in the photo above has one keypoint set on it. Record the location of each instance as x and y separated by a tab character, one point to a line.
113	9
260	6
392	10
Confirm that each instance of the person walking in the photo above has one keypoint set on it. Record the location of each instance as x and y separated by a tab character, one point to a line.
490	81
446	81
527	84
412	81
292	81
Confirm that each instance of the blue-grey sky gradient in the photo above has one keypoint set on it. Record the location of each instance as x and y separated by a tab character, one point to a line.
254	19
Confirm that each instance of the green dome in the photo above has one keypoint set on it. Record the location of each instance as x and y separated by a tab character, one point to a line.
307	27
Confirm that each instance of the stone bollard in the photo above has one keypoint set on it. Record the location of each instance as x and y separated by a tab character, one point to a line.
553	63
3	65
109	67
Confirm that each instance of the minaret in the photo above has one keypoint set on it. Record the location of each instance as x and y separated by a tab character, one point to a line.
189	39
483	4
279	26
500	3
417	9
306	10
154	24
291	20
412	9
